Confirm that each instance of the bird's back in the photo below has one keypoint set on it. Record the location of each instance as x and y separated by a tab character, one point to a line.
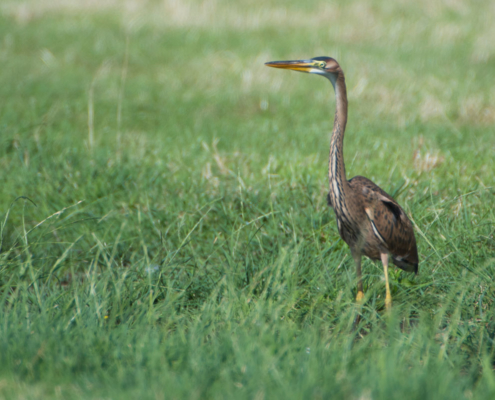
388	226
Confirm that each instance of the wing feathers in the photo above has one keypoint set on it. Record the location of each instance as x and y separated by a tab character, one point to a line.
388	222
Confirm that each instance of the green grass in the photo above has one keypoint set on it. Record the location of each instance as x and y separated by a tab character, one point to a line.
164	225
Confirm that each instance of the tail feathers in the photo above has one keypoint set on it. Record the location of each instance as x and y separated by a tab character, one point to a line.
405	265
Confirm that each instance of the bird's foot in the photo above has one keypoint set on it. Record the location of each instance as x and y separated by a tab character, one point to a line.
359	301
388	302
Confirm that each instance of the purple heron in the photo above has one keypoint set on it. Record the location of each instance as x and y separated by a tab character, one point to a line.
369	220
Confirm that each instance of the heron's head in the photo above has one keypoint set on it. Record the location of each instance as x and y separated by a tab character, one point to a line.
325	66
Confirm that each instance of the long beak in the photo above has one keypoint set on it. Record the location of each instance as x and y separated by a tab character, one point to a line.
296	65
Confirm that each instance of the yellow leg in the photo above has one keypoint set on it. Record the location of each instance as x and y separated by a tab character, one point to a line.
360	293
388	296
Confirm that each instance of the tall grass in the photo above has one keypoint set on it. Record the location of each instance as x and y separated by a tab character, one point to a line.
164	227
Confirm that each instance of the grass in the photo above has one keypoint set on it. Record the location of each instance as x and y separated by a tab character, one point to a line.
164	227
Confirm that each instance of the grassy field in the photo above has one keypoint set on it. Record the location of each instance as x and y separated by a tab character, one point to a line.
164	227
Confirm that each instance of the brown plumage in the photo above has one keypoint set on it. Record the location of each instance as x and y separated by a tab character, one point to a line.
369	220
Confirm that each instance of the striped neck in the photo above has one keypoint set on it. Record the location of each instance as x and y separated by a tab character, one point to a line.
336	168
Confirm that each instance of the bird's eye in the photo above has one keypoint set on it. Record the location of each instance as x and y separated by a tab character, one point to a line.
321	64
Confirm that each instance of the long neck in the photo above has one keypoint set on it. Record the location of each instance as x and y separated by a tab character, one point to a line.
336	168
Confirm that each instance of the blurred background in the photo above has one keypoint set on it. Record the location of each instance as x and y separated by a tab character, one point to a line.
151	163
133	101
